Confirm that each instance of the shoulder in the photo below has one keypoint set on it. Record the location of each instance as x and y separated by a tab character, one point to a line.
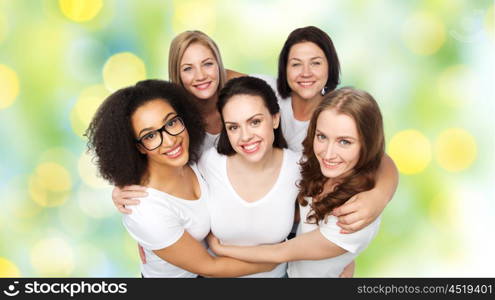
208	157
156	222
353	242
292	157
154	206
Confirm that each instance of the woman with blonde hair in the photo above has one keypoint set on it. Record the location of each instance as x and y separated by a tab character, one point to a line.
341	157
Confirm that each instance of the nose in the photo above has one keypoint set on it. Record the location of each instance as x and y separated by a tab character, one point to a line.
200	74
306	70
245	134
330	151
167	139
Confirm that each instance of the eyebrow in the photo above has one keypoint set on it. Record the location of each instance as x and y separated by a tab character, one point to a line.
316	57
204	60
252	117
339	137
164	119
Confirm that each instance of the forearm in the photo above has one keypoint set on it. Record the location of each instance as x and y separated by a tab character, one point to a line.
231	267
259	254
387	179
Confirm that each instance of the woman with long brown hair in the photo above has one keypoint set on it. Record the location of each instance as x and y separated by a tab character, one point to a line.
341	157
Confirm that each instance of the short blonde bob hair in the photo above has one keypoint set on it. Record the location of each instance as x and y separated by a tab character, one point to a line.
179	45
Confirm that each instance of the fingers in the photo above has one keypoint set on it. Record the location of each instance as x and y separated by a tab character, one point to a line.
124	210
142	255
131	195
350	218
351	228
348	271
350	206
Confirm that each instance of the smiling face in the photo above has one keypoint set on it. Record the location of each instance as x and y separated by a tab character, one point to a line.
199	71
336	143
151	116
307	70
250	126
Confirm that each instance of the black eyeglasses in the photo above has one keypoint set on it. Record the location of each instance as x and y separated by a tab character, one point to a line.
154	139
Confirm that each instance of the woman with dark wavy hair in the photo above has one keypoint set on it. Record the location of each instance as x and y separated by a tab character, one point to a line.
150	134
341	157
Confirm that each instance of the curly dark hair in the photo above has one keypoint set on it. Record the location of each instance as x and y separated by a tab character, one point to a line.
111	136
364	110
253	86
321	39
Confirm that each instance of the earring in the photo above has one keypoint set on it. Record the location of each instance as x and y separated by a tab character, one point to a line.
324	91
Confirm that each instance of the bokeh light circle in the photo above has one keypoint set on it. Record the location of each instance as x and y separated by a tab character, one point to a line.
8	268
52	257
490	22
85	108
3	27
456	86
424	33
455	149
89	173
80	10
50	184
123	69
410	150
194	15
9	87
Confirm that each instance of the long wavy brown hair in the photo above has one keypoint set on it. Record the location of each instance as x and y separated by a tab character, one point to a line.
363	109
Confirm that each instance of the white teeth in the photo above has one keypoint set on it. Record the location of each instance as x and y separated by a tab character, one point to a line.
174	152
203	85
306	83
331	163
250	147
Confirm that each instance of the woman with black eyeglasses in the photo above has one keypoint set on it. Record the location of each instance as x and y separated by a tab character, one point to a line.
150	134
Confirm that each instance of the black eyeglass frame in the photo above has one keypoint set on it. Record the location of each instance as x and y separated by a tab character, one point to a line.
160	130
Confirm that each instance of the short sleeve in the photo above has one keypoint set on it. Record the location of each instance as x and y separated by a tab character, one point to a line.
353	242
154	226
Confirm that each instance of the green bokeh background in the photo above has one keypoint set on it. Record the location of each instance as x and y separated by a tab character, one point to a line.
429	64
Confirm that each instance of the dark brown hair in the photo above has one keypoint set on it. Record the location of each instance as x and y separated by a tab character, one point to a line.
248	86
363	109
321	39
111	137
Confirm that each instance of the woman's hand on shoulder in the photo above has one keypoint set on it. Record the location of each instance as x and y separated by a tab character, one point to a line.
357	213
126	196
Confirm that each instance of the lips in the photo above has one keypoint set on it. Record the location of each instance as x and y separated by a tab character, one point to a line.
330	165
306	84
175	152
251	147
202	86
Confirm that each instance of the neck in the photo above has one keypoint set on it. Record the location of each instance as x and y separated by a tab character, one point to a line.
210	114
165	178
208	106
303	108
266	162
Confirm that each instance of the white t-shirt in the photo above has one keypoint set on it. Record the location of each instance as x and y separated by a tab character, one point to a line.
160	220
265	221
210	141
294	131
354	243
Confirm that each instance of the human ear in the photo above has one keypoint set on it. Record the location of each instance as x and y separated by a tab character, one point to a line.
276	120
